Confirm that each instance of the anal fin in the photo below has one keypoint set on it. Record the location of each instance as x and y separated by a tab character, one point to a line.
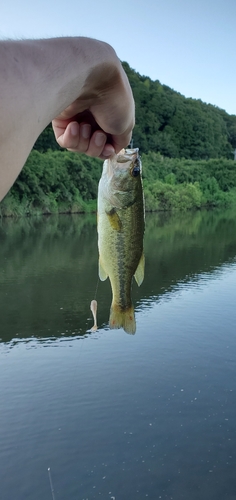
139	273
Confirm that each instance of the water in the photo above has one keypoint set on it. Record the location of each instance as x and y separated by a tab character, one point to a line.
117	416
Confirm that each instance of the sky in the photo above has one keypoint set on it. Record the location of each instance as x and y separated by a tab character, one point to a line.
189	45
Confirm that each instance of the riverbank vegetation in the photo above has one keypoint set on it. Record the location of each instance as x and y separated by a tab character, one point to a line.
187	155
63	182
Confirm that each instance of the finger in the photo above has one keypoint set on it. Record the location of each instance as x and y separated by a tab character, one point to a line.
84	138
108	151
75	137
121	141
66	134
60	124
59	127
97	144
70	137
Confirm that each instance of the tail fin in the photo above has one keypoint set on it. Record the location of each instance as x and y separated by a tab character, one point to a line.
120	318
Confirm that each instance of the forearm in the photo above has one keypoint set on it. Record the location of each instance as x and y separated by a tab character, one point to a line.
38	80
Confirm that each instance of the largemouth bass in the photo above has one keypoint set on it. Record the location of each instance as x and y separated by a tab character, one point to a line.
120	233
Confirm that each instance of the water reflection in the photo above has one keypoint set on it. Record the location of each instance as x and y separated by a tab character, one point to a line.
115	415
48	268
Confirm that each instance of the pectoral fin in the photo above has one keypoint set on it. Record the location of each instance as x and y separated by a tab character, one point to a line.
139	273
114	219
101	271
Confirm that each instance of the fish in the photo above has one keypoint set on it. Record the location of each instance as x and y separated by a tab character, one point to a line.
93	308
120	227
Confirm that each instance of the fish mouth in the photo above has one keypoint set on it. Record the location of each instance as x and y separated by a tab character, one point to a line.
127	155
119	161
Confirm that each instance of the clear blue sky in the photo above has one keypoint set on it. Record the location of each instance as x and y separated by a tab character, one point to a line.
189	45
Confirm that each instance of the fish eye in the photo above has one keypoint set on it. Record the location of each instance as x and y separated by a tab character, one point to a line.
135	171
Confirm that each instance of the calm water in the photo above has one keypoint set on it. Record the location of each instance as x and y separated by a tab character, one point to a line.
117	416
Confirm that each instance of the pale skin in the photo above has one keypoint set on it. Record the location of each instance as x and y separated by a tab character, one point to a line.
76	83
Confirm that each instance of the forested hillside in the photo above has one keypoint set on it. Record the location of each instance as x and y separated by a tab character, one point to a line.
178	127
187	151
168	123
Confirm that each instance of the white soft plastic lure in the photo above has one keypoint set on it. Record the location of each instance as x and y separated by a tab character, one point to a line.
93	307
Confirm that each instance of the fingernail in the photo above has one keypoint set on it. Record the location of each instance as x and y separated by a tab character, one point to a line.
86	131
74	129
99	139
108	150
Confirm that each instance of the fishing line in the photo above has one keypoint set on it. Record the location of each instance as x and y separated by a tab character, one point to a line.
96	289
50	480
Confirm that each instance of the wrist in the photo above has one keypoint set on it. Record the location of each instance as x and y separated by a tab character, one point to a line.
73	67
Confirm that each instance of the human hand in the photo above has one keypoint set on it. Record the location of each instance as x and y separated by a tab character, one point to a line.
78	80
100	121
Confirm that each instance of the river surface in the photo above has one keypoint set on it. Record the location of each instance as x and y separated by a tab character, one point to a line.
116	416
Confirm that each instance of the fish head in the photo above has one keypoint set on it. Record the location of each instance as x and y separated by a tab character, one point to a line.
122	178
